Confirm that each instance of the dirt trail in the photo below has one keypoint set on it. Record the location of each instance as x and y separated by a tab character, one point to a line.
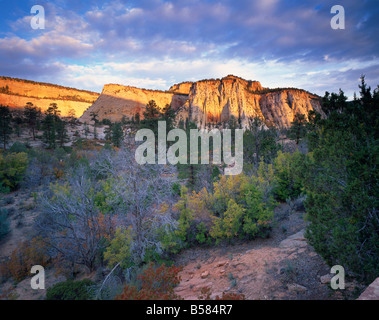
283	266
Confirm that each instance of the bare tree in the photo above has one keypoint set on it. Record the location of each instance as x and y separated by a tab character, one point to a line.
143	189
71	222
74	225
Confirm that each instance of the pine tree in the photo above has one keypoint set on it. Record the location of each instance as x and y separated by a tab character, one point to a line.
61	132
49	125
5	128
117	134
94	116
32	115
108	132
86	129
151	116
298	128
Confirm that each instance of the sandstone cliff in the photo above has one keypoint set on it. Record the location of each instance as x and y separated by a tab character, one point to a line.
117	101
183	88
209	101
216	100
16	93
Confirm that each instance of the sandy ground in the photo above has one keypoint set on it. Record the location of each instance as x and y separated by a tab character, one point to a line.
283	266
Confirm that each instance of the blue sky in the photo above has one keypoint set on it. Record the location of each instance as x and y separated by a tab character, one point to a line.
156	43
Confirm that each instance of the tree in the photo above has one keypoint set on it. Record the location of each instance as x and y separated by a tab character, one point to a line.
151	116
71	222
141	190
298	128
94	117
72	116
49	125
117	134
189	171
17	123
5	128
258	142
340	178
32	115
108	132
61	130
86	129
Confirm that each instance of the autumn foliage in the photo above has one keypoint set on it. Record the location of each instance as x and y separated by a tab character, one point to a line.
21	260
153	284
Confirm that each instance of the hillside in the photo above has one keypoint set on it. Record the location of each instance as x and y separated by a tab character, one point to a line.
16	93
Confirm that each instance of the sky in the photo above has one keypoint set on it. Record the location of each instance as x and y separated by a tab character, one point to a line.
156	43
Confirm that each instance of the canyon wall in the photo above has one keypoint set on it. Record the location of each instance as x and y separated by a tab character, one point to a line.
204	102
214	101
209	101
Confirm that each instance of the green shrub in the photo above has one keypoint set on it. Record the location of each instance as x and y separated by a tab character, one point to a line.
12	169
287	184
70	290
176	188
18	147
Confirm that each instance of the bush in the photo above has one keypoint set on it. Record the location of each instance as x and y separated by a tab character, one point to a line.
4	223
12	169
18	147
287	184
21	260
153	284
70	290
240	206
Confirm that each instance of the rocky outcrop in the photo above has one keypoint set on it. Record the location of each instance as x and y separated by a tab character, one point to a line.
117	101
181	88
217	100
15	93
209	102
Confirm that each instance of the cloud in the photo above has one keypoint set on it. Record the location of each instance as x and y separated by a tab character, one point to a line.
157	42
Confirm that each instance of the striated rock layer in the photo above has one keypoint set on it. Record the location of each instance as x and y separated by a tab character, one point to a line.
209	102
15	93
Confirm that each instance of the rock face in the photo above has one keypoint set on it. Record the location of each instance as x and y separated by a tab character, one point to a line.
183	88
117	101
16	93
209	102
217	100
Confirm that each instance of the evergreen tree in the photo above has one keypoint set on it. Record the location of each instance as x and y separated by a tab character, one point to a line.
94	117
151	116
117	134
49	125
61	132
17	125
258	142
32	115
86	129
298	128
108	132
5	127
340	178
